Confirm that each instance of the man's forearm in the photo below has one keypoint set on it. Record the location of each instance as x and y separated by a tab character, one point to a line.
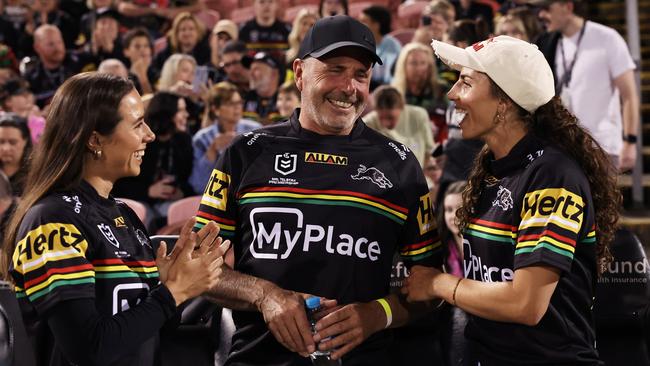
239	291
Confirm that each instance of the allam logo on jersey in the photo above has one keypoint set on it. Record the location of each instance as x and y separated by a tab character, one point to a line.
504	199
215	194
322	158
475	269
108	234
372	174
119	221
553	205
426	218
286	163
54	241
280	231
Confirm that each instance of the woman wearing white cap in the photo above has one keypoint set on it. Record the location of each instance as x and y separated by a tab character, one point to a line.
537	216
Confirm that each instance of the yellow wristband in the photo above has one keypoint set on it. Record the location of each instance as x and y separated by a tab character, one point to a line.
389	313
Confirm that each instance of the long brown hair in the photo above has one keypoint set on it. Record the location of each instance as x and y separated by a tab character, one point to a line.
552	122
85	103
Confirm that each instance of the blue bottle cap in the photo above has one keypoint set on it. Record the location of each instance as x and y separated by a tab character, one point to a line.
312	302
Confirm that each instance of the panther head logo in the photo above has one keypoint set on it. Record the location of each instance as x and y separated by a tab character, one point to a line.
504	199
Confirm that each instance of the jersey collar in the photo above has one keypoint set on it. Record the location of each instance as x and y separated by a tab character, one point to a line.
522	154
298	131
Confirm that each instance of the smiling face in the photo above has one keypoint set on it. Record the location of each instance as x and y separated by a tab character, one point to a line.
473	96
334	90
122	150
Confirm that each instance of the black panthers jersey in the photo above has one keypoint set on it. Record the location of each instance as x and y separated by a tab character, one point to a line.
536	210
317	214
76	245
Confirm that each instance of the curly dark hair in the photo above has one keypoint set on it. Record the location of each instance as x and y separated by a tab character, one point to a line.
552	122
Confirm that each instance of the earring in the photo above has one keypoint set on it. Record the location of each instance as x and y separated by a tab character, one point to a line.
97	154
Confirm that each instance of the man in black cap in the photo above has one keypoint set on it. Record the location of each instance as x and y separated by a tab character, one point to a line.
266	75
319	205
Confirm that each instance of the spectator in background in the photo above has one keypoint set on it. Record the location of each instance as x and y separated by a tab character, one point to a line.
474	10
433	172
186	36
594	76
167	163
266	75
416	78
87	22
466	32
54	64
437	19
113	66
328	8
177	76
105	42
8	58
508	5
225	122
153	14
15	150
14	15
265	33
138	50
223	32
531	22
510	25
48	12
401	122
377	18
16	98
288	99
304	20
233	54
7	204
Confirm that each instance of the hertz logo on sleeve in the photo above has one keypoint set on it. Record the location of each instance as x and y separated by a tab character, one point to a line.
53	242
426	218
216	192
320	158
554	205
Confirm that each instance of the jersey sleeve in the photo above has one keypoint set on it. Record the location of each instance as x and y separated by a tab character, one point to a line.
49	264
554	214
420	242
218	202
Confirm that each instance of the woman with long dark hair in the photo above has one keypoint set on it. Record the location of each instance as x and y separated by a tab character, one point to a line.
15	150
89	285
537	217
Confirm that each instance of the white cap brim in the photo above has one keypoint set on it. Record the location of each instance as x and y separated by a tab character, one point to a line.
456	57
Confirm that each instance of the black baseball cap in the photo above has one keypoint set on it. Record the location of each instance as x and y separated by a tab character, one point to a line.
107	13
331	33
263	57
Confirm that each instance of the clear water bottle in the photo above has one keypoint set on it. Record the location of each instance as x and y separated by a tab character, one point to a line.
318	358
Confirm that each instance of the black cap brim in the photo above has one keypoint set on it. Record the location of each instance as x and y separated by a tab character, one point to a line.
334	46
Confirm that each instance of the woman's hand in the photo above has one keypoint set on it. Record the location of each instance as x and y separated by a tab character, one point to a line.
163	189
194	265
421	284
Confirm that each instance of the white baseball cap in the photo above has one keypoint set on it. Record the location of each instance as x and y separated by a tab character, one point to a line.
516	66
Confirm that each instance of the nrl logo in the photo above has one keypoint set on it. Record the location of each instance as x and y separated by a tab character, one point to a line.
504	199
372	174
285	164
108	234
